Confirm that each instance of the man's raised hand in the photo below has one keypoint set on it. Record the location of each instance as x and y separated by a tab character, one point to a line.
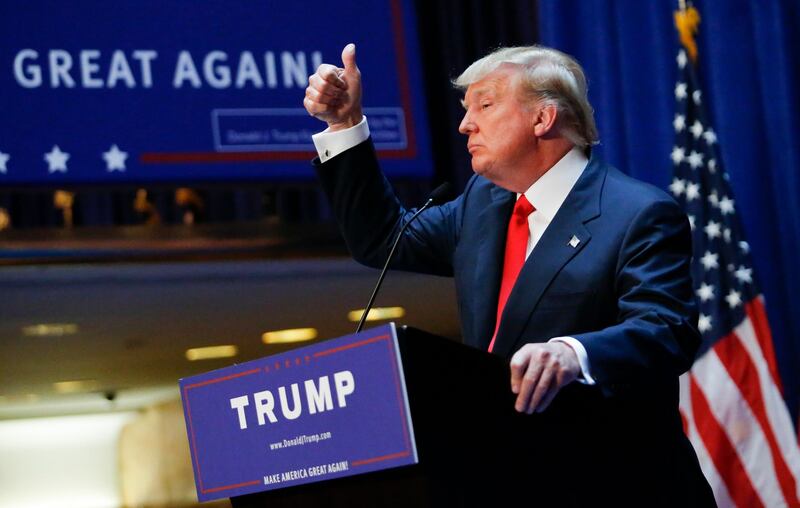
334	93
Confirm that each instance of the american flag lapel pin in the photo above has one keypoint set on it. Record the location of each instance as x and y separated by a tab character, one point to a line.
574	241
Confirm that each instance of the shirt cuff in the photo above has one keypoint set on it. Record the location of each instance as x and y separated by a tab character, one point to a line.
583	359
330	144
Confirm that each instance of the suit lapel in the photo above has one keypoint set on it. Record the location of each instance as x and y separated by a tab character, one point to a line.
556	247
489	268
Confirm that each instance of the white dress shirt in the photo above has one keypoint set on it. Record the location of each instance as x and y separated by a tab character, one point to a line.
546	195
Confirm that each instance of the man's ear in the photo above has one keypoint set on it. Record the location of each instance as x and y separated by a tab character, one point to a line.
544	120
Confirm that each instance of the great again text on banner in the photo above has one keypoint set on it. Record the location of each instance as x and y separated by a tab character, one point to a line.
147	91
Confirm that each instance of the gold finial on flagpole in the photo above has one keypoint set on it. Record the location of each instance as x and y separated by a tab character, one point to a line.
687	20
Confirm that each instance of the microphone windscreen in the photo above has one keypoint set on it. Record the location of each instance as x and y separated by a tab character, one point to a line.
440	192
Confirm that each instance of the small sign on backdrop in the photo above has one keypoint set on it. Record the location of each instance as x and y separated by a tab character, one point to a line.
333	409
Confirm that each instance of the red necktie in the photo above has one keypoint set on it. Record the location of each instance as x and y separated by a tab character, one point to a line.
516	244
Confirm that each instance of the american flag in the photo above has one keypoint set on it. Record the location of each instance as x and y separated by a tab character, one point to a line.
731	400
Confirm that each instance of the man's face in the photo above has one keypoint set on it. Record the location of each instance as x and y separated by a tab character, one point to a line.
500	129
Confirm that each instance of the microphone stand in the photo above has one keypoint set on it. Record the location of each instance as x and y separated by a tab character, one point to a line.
435	196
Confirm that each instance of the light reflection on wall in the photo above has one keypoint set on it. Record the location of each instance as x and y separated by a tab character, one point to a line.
61	462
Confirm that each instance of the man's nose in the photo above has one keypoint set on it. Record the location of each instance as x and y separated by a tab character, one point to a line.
467	126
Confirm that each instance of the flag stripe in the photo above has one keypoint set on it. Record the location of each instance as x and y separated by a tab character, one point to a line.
721	450
721	494
758	317
742	371
739	425
779	419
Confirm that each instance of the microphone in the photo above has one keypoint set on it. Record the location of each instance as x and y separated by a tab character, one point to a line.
434	197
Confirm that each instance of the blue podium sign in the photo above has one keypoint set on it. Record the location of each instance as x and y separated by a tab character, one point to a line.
332	409
147	91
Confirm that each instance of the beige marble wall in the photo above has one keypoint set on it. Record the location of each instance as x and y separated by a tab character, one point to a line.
155	465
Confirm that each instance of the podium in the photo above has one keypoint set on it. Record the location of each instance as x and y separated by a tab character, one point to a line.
471	443
461	443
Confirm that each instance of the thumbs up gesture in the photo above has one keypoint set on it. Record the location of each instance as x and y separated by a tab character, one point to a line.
334	93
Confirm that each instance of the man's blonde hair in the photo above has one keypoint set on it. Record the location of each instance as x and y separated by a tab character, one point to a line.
549	77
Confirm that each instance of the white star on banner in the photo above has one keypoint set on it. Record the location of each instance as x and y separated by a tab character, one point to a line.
677	186
713	199
56	160
734	299
744	246
713	230
695	159
692	191
704	323
726	234
706	292
4	157
115	159
726	206
710	137
679	123
677	155
710	260
696	96
712	165
745	275
680	91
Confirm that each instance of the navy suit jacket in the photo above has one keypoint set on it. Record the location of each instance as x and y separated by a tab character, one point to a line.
624	290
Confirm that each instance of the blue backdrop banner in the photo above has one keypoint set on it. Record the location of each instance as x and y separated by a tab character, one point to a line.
146	91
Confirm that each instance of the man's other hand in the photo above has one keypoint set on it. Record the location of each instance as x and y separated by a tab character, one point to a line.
539	371
334	93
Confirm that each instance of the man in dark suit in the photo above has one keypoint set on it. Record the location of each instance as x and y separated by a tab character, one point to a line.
575	272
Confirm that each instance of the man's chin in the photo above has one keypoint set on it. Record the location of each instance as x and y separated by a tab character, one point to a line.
478	168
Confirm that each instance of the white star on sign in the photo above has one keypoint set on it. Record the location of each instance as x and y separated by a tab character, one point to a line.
712	230
677	186
696	129
696	96
115	159
695	159
56	160
745	275
726	205
704	323
677	155
710	137
710	260
679	123
726	234
706	292
744	246
680	91
681	59
734	299
713	199
3	161
692	191
712	165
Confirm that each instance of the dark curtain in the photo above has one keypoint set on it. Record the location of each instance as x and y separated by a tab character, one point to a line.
749	61
453	34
